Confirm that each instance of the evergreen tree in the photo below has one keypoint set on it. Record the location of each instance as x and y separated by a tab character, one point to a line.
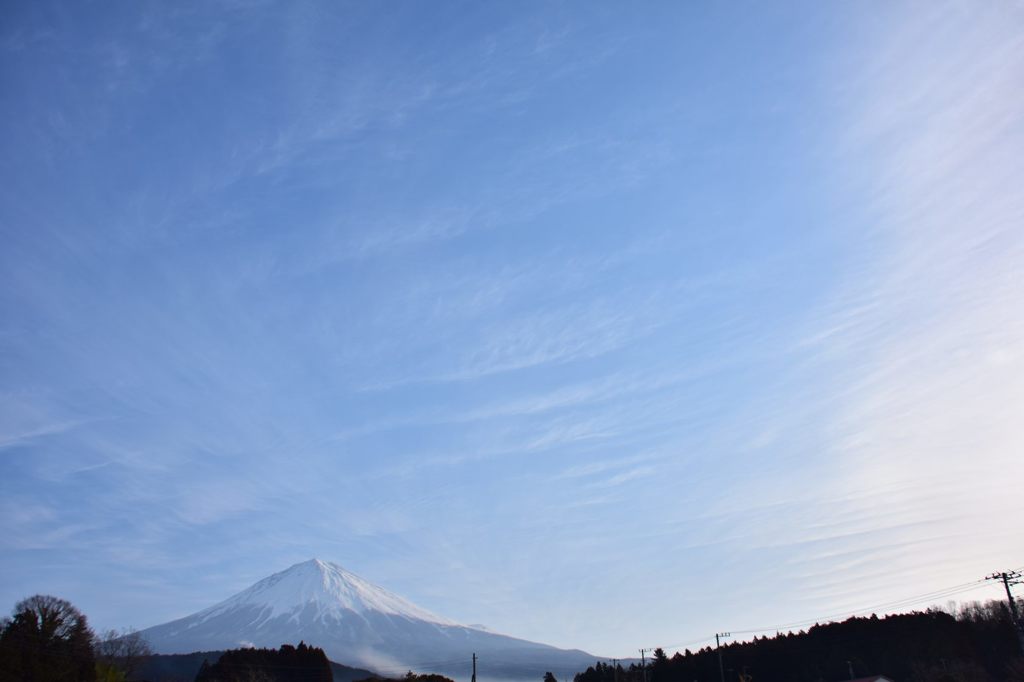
659	666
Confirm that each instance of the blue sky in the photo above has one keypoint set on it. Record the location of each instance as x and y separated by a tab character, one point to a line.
603	326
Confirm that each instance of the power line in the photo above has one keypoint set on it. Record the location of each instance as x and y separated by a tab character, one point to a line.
686	644
1012	578
718	648
900	603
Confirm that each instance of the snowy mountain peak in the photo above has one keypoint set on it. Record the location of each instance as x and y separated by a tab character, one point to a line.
356	623
327	588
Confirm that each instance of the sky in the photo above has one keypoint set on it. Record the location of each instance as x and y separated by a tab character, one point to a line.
602	325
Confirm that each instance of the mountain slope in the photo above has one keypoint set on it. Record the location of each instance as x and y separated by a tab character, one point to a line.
357	623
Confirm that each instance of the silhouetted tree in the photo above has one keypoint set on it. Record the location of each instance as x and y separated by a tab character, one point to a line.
659	666
121	652
47	640
549	677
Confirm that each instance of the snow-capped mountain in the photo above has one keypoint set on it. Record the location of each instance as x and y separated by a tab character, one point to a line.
327	588
357	623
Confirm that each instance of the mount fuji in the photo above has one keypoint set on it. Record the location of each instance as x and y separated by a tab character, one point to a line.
359	624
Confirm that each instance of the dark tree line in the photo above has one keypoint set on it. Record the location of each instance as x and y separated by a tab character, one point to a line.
979	644
288	664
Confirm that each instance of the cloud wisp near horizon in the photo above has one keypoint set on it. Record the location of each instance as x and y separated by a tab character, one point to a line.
603	330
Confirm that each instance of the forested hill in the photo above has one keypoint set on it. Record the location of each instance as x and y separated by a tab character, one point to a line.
185	667
977	645
287	664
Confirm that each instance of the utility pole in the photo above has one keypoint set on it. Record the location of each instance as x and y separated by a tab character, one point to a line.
643	664
1012	578
474	667
718	646
615	669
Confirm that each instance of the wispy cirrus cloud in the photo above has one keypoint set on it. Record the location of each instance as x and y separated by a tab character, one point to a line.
926	336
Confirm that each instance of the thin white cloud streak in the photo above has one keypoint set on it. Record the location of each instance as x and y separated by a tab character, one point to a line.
334	102
29	415
554	336
505	340
626	422
503	198
15	438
